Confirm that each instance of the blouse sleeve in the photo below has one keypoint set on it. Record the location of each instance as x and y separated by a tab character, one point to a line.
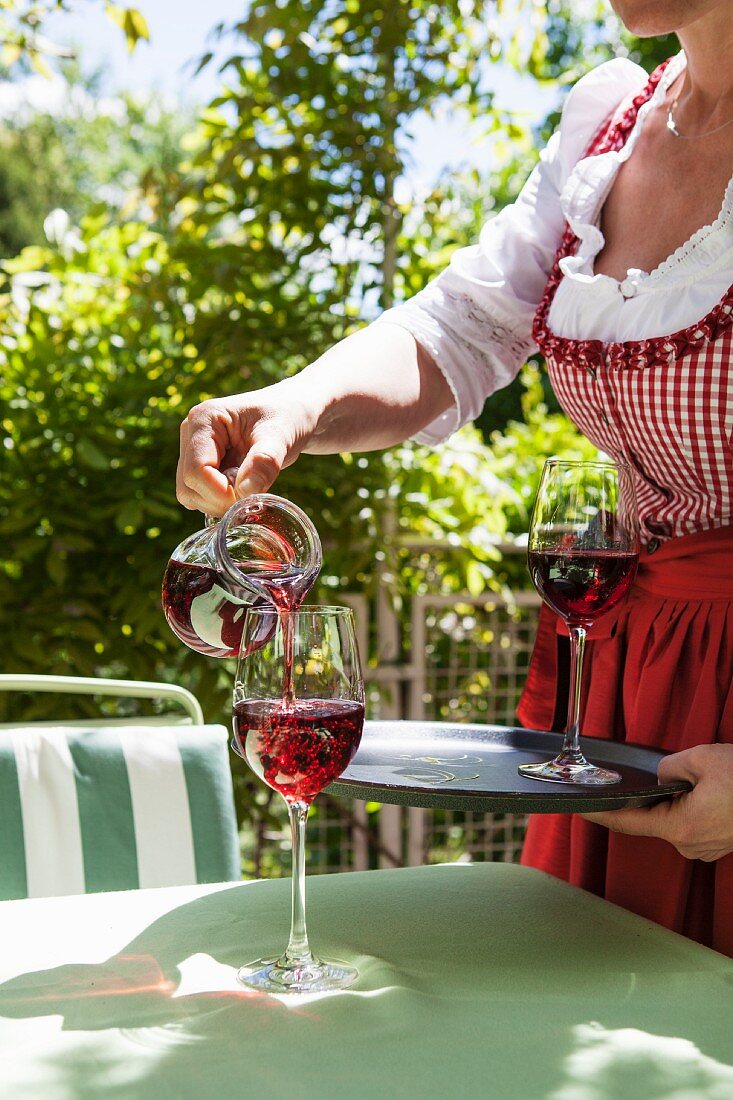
475	318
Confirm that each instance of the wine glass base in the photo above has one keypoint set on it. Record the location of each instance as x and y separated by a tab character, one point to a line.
581	774
283	976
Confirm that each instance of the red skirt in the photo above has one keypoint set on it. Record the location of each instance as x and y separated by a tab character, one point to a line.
658	671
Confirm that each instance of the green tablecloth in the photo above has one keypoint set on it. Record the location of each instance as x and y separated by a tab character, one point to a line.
476	981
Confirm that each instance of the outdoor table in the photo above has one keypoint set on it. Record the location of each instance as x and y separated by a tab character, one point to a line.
477	980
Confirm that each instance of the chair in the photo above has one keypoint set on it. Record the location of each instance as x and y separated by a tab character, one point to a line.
114	804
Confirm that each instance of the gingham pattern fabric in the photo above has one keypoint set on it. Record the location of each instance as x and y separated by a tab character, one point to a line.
664	405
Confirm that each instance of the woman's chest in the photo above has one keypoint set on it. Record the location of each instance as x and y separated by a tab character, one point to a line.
661	196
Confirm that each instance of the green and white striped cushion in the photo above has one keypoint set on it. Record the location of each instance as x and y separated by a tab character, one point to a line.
84	809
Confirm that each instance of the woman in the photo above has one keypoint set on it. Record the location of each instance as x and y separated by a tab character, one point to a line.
616	262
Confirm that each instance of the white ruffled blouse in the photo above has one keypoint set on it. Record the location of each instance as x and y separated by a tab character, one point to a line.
476	317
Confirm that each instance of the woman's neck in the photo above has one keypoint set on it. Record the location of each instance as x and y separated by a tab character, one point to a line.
706	90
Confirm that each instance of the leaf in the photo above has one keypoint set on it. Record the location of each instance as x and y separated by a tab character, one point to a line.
32	258
159	510
475	579
136	27
129	517
116	14
90	455
131	21
81	628
10	54
203	62
56	567
38	63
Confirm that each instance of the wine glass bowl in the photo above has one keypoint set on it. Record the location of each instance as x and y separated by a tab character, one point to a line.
298	715
583	551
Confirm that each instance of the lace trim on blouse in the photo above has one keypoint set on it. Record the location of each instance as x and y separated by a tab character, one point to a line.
494	332
700	238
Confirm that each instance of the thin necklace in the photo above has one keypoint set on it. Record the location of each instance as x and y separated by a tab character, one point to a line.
672	125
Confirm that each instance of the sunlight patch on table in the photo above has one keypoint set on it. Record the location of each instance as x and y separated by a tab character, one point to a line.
201	973
616	1063
298	1000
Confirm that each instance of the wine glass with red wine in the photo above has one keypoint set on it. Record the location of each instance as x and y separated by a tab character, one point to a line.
583	554
298	718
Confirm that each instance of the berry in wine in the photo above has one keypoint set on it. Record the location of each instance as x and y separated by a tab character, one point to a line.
300	748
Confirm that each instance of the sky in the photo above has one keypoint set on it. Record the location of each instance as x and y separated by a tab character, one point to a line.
180	30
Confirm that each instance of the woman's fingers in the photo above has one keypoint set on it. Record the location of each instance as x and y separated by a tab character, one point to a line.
264	460
689	764
237	446
660	820
639	821
207	435
699	823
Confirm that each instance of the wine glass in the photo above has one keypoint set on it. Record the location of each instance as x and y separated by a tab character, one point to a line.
298	714
583	554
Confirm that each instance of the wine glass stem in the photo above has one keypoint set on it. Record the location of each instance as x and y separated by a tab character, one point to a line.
298	949
571	743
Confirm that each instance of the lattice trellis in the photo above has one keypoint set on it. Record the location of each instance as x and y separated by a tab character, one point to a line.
470	657
469	665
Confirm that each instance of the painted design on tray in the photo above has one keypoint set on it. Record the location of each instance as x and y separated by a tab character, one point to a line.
434	776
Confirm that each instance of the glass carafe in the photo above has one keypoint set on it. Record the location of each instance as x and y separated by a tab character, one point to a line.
263	552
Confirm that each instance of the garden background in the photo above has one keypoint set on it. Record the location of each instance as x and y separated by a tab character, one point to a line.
156	253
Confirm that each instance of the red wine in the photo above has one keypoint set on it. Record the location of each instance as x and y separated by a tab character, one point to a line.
580	585
204	612
298	750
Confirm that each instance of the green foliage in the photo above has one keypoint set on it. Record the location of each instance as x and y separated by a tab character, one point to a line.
581	34
102	352
90	421
89	152
111	334
517	455
224	284
130	21
23	44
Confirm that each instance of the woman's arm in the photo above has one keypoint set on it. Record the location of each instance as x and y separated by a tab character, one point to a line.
372	390
463	337
700	823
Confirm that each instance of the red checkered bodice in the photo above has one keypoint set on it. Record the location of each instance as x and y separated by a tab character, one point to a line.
664	405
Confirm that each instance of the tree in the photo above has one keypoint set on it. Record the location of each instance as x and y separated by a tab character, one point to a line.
281	234
236	272
88	151
24	46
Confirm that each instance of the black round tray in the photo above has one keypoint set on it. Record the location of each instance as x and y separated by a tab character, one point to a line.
441	766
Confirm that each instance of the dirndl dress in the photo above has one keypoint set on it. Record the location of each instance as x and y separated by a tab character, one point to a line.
658	670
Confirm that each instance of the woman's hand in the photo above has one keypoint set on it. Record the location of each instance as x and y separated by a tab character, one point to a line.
698	823
234	446
373	389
